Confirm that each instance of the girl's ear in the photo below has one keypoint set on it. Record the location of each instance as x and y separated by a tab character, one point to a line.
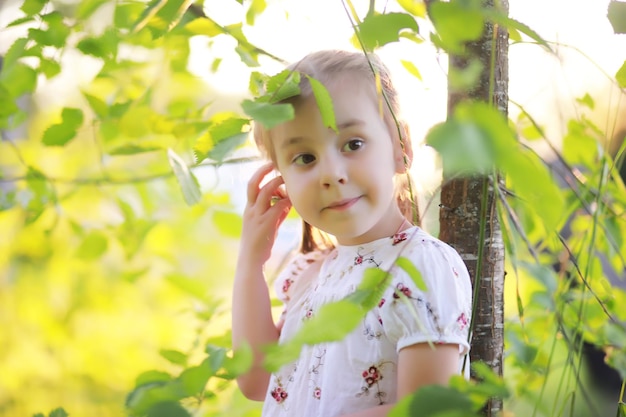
402	148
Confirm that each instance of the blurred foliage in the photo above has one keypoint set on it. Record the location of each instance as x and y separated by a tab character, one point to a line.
116	258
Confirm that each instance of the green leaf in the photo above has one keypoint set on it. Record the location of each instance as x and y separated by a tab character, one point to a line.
94	47
255	9
586	100
16	51
411	68
188	182
269	115
527	127
133	149
19	79
40	195
282	86
217	356
168	409
377	30
146	396
38	415
98	105
61	133
529	178
58	412
161	16
150	11
32	7
514	26
87	7
455	24
20	21
439	401
203	26
521	351
226	146
93	246
371	289
462	146
620	76
8	105
412	271
241	362
137	121
126	14
56	34
580	148
226	133
194	379
332	322
414	7
152	376
49	67
228	223
324	103
467	78
174	356
617	16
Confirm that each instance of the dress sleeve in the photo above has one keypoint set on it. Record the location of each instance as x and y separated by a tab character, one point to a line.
439	314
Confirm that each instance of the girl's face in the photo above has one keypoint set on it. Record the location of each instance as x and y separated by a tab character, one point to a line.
342	182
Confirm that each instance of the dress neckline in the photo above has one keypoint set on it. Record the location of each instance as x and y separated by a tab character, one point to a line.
377	243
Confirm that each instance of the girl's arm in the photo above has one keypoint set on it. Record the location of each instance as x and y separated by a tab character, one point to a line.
419	365
252	320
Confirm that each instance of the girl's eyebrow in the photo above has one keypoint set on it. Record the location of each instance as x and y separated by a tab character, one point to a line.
296	140
291	141
350	123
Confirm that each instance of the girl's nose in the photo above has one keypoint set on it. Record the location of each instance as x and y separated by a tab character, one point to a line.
332	172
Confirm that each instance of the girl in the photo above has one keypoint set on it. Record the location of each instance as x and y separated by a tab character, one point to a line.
343	183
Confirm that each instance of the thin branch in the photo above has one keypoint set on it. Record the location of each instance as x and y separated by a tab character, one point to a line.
197	10
572	259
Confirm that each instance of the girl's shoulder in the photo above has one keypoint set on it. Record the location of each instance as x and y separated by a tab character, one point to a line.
297	268
435	259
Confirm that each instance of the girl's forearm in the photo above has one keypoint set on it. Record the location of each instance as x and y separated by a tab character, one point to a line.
252	324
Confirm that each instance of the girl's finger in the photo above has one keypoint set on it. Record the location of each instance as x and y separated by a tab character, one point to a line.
255	181
270	190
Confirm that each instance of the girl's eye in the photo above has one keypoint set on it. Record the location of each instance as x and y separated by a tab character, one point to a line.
304	159
353	145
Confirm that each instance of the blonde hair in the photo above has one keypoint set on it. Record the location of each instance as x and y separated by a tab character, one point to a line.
325	66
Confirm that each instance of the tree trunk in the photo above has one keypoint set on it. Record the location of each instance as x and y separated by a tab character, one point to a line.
461	205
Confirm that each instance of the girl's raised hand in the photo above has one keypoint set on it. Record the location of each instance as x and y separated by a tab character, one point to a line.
266	209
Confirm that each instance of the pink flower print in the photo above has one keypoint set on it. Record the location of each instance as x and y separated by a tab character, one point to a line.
371	376
358	260
279	394
455	272
403	289
308	314
317	393
381	303
399	237
287	284
463	321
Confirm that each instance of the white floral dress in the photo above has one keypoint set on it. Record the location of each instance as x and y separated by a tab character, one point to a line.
360	372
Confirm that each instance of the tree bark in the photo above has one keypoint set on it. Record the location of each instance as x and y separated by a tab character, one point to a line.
462	204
